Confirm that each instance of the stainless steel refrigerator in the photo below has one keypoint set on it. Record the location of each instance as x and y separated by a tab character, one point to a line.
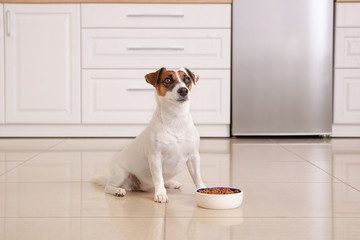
282	67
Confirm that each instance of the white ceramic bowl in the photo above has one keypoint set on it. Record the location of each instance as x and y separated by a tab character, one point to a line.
219	201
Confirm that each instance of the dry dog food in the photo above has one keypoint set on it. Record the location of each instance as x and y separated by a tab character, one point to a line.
218	191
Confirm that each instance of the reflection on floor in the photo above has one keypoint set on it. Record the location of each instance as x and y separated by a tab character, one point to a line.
294	188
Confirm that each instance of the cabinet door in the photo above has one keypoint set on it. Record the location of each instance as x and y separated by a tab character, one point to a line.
2	93
347	96
123	96
42	54
347	48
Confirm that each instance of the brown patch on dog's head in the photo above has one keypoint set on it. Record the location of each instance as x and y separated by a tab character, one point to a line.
186	78
164	80
194	76
152	78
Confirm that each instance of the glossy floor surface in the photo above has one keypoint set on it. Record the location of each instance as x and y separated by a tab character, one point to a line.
293	189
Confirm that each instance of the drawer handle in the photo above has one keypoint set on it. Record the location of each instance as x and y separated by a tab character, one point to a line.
170	15
139	89
8	16
155	48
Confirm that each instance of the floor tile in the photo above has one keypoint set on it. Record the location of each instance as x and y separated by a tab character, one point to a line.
27	144
18	155
320	155
42	228
81	228
122	228
263	228
2	170
252	140
275	200
266	171
311	152
301	140
9	165
96	163
346	228
346	167
2	228
96	203
215	145
2	201
92	144
249	228
48	167
299	200
42	199
268	153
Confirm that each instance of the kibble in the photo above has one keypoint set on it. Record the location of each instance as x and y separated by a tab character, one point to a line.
218	191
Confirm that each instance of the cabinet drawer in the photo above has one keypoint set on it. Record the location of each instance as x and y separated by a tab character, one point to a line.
123	96
148	48
347	15
347	48
156	15
347	96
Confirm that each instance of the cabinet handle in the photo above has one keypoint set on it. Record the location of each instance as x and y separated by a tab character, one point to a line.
169	15
8	17
139	89
155	48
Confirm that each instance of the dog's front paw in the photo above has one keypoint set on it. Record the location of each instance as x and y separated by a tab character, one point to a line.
161	197
173	184
120	192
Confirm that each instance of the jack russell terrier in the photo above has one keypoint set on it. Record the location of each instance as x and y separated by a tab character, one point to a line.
167	144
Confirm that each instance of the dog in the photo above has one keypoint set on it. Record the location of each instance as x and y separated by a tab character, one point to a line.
167	145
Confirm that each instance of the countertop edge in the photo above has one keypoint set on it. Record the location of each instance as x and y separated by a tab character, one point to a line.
349	1
120	1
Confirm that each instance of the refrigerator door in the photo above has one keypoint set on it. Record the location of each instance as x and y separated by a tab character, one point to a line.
282	67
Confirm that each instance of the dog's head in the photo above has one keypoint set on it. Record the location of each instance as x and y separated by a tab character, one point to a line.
173	85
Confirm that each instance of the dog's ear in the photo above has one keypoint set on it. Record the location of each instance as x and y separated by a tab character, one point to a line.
194	76
152	78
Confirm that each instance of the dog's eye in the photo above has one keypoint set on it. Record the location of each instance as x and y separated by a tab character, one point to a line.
167	81
187	81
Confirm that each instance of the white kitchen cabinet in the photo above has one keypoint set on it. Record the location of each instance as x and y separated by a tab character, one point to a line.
121	43
42	55
154	48
77	70
347	71
124	97
2	83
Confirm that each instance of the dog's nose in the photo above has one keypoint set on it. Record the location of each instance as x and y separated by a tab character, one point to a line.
183	91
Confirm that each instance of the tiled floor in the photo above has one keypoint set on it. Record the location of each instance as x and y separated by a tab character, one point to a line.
293	189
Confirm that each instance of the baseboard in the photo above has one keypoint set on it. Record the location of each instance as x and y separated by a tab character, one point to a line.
340	130
16	130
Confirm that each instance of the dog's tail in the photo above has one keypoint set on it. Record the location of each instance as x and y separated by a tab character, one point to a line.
99	180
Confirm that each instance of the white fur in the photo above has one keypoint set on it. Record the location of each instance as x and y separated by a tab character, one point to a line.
168	144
